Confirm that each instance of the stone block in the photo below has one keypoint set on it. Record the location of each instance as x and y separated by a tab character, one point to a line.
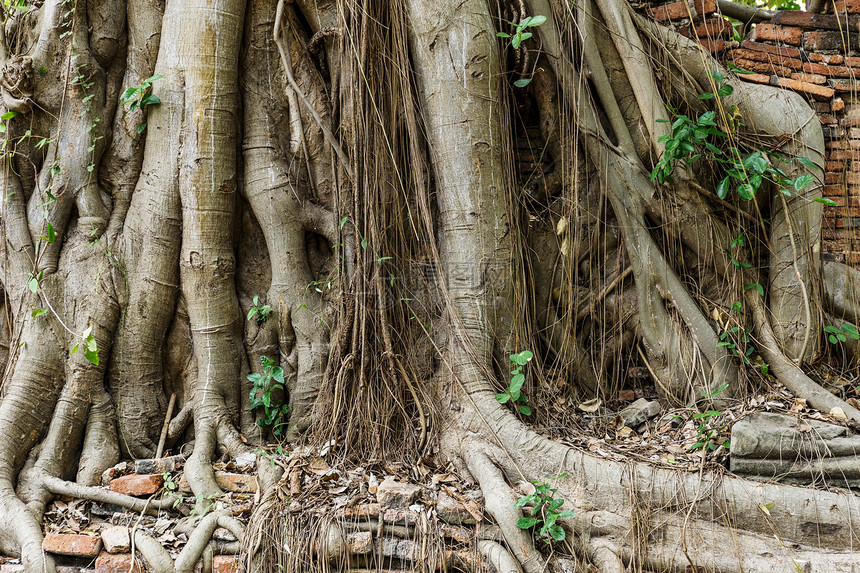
392	493
360	542
116	539
72	544
639	412
452	511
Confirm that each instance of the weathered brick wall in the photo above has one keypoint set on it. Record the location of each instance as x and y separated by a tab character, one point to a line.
816	55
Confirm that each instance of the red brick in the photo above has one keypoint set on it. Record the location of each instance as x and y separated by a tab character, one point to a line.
755	78
843	85
135	484
833	59
792	63
818	92
836	166
627	395
814	21
777	50
710	28
680	11
770	33
809	77
70	544
119	563
837	104
762	67
714	45
843	144
834	190
844	6
852	61
825	70
832	178
225	564
826	119
819	40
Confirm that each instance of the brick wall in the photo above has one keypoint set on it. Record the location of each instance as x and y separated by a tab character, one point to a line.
816	55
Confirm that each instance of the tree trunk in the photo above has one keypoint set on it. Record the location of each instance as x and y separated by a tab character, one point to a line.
304	218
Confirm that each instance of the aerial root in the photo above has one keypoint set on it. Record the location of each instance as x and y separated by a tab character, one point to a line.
58	486
158	559
605	555
500	502
498	556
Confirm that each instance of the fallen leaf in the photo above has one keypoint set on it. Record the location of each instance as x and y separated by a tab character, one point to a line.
590	406
838	413
318	466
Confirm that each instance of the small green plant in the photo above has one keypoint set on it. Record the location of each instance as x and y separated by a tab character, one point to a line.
270	380
545	512
513	392
705	433
745	171
519	36
170	487
837	334
139	97
261	311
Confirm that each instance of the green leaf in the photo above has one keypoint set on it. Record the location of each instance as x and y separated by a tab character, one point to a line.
806	162
723	187
706	95
52	235
524	357
33	284
725	90
527	522
555	504
566	514
556	532
141	127
746	191
9	115
363	243
38	312
502	35
717	76
850	330
92	356
536	20
515	43
74	349
521	83
524	410
757	287
517	383
503	398
803	182
826	201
